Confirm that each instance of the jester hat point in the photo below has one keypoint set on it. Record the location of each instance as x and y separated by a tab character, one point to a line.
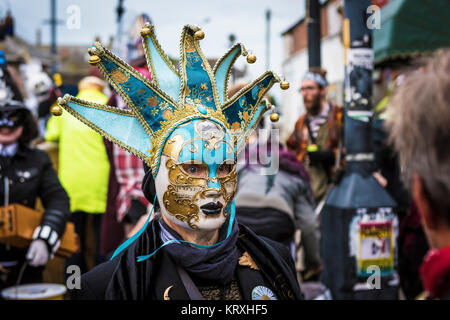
173	96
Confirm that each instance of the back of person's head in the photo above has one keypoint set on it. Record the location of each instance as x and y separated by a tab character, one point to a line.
419	125
91	82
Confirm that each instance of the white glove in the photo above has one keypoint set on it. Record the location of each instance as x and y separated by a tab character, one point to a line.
50	237
37	254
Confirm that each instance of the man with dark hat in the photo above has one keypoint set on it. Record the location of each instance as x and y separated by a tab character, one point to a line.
27	174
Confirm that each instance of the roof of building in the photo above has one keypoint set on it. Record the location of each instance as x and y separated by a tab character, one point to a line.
301	19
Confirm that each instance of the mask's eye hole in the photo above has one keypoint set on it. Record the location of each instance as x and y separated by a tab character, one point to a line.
199	170
224	169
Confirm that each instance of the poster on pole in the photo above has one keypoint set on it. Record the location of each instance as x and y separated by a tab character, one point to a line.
359	76
373	241
376	247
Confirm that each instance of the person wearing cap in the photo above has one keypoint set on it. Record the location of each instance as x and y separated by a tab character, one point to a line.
317	133
26	174
83	168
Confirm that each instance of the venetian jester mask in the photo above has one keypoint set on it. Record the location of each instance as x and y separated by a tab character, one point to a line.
197	178
181	123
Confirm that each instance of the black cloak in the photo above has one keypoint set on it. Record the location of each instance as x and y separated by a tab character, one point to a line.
123	278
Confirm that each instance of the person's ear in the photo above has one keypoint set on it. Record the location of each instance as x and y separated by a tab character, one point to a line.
423	203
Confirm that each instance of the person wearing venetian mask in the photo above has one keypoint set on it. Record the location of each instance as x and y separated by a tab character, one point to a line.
189	133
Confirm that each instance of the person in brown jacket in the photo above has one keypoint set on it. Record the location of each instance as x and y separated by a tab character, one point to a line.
316	139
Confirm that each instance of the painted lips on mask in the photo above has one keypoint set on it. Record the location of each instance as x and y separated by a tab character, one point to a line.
212	208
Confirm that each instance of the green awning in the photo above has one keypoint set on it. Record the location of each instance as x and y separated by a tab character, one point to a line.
410	28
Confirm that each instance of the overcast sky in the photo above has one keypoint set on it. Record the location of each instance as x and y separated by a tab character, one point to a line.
217	18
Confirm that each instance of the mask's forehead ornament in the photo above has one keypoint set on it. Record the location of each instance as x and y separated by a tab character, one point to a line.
172	98
209	130
200	141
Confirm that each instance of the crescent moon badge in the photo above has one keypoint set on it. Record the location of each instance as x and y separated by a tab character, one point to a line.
166	293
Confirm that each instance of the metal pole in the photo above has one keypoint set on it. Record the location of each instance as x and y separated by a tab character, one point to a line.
268	16
120	10
358	222
53	23
313	24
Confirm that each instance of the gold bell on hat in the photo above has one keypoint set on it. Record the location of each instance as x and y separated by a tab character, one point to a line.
199	35
274	117
94	59
56	111
145	31
284	85
251	58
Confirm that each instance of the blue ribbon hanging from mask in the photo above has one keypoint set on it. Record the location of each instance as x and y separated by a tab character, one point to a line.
124	245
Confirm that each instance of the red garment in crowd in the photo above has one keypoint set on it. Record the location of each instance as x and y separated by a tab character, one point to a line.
435	272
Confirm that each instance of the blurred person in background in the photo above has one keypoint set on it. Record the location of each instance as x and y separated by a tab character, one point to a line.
275	205
83	169
317	135
419	129
27	174
411	239
9	87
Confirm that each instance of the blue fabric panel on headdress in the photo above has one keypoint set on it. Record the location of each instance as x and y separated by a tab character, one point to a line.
222	70
168	80
260	110
199	89
126	129
242	111
151	105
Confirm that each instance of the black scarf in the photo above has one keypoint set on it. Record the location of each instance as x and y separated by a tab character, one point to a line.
132	280
215	264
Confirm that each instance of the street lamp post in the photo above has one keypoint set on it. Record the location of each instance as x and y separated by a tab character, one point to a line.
313	24
120	11
358	222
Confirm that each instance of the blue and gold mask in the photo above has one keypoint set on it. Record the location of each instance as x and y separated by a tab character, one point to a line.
197	179
181	123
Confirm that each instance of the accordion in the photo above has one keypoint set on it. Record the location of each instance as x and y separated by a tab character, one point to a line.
17	224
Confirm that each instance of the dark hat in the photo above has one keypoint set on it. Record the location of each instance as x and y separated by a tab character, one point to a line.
12	105
148	186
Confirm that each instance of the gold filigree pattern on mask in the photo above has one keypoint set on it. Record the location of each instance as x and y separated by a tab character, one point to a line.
183	209
173	146
184	191
228	185
177	176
